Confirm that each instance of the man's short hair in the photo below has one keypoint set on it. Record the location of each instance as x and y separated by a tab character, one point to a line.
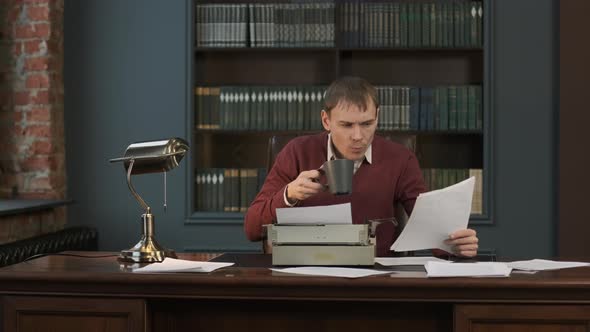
350	89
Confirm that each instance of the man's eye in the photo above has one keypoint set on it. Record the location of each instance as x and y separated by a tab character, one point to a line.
347	125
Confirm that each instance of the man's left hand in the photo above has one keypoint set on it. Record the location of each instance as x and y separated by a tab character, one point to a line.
464	242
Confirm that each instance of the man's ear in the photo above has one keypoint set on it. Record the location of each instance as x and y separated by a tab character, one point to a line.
325	120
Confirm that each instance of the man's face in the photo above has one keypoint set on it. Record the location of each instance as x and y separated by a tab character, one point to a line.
352	129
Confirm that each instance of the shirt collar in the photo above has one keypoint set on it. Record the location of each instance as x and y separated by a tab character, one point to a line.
331	155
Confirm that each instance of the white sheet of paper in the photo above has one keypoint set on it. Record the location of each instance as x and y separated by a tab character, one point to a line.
316	215
180	265
332	271
400	261
543	265
436	215
480	269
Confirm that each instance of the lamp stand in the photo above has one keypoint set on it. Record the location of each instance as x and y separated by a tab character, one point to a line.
147	250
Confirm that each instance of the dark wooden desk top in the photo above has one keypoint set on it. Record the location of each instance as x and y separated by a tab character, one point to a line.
104	276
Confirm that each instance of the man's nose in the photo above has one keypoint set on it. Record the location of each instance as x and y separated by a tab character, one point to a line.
356	133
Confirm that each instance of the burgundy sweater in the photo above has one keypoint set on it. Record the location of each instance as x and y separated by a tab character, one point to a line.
394	175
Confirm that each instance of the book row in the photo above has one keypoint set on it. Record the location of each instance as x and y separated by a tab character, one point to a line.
259	108
438	178
227	189
401	24
234	189
297	108
265	25
396	24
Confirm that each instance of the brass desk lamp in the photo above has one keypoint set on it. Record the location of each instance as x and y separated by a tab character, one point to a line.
150	157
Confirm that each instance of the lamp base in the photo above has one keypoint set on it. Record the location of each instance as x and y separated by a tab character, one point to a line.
147	250
142	253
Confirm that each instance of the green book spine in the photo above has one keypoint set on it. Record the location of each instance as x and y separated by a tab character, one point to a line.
432	24
243	179
300	109
227	189
461	109
199	107
215	109
411	25
235	191
436	109
444	108
452	108
478	108
403	24
220	189
471	108
214	189
198	189
206	108
473	24
208	189
479	24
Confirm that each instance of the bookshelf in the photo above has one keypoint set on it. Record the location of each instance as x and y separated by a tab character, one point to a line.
253	80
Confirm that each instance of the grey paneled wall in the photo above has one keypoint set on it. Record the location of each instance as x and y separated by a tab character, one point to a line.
524	133
126	79
127	68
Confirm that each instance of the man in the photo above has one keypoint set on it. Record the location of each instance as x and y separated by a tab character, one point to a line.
384	172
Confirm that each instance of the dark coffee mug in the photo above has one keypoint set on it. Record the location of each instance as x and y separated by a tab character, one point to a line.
338	175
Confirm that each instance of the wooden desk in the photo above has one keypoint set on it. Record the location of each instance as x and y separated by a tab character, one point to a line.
59	293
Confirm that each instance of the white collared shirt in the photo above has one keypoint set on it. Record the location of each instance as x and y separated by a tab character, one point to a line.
331	155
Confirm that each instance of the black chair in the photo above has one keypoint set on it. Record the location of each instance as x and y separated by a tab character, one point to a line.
277	143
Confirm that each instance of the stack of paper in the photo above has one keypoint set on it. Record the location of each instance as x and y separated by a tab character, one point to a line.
180	265
316	215
543	265
332	271
482	269
405	261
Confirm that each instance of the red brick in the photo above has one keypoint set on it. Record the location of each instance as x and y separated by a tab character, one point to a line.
36	163
37	63
39	184
32	46
21	98
18	116
40	114
37	81
17	49
37	1
38	131
38	13
57	180
41	147
36	30
42	98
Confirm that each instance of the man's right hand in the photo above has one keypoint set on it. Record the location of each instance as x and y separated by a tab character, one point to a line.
304	186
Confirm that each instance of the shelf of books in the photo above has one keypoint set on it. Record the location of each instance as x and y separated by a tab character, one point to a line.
261	68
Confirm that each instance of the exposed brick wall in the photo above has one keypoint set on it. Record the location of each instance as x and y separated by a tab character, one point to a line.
32	151
32	158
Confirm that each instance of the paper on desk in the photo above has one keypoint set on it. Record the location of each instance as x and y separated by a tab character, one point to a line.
332	271
436	215
316	215
480	269
543	265
400	261
180	265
